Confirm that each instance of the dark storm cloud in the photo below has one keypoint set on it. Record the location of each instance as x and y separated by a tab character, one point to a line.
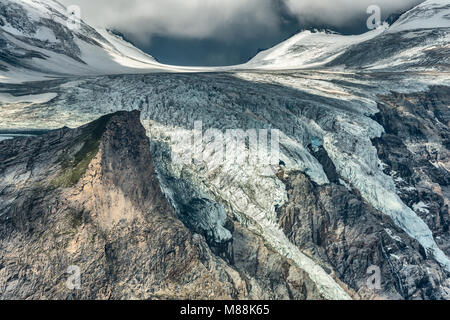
223	18
342	13
223	32
198	19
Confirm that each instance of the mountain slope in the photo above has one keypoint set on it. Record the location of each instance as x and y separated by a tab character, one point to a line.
35	41
431	14
339	116
89	197
308	49
418	40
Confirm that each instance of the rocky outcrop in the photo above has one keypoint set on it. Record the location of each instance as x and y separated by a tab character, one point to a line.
415	152
338	228
347	236
89	197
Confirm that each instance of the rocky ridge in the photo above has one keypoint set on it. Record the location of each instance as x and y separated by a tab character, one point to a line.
90	197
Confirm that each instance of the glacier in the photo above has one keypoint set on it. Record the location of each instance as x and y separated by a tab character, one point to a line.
330	98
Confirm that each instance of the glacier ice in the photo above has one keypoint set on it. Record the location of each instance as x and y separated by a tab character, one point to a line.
171	104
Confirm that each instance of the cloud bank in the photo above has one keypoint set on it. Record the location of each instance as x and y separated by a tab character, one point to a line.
339	13
224	19
185	19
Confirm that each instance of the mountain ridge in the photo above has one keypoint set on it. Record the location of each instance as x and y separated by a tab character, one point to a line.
88	51
101	208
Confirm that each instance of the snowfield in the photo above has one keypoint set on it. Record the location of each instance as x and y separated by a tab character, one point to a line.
39	45
431	14
308	50
38	29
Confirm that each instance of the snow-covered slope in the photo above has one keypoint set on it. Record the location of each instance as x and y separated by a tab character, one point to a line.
126	48
431	14
35	41
419	39
308	49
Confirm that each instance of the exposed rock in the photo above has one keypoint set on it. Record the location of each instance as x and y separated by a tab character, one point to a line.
328	166
348	236
414	151
89	197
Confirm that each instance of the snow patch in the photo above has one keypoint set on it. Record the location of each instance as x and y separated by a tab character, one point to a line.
421	207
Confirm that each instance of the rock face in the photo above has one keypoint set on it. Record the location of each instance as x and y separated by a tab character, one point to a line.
334	226
89	197
415	152
75	177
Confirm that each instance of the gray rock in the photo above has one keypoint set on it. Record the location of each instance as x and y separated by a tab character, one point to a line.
347	236
89	197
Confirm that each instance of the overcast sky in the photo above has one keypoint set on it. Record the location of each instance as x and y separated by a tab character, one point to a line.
218	32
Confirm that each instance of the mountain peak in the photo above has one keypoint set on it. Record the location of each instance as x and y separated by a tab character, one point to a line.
39	29
431	14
